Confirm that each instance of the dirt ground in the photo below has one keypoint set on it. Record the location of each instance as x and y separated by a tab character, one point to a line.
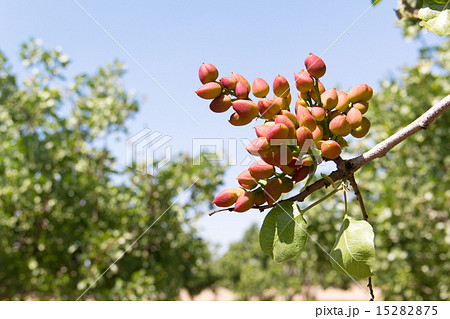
354	293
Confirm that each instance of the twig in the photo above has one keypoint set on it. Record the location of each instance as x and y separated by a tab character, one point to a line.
371	289
230	209
319	184
346	168
358	196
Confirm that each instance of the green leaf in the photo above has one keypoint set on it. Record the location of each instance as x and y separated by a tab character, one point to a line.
354	250
415	3
435	17
283	232
434	5
375	2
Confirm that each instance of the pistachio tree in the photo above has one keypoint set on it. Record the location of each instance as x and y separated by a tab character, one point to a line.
68	214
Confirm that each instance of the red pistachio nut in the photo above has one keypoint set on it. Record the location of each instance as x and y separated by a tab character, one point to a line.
287	170
209	90
281	86
362	106
220	104
228	197
278	131
340	126
261	130
261	170
268	158
245	202
317	133
295	163
363	129
259	146
318	113
315	66
273	190
304	135
307	160
329	99
290	116
228	82
237	120
268	108
246	108
240	78
207	73
354	117
282	156
246	180
283	119
304	81
241	91
300	110
300	102
300	174
260	88
286	184
343	101
307	120
319	143
260	197
284	102
330	149
360	92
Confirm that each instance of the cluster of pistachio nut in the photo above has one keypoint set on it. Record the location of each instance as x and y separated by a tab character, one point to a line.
322	119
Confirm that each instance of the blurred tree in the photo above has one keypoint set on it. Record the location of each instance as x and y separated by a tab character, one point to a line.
63	219
250	273
417	15
406	195
407	192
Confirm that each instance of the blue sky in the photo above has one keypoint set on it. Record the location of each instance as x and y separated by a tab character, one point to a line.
170	39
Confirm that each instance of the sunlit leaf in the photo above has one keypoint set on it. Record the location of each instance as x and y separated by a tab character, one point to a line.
283	233
354	251
435	21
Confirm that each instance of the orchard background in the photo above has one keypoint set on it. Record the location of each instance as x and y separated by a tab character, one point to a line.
70	208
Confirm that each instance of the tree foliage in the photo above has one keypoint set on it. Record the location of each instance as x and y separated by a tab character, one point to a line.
414	15
64	214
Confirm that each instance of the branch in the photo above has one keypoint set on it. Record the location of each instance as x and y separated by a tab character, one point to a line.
385	146
346	168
